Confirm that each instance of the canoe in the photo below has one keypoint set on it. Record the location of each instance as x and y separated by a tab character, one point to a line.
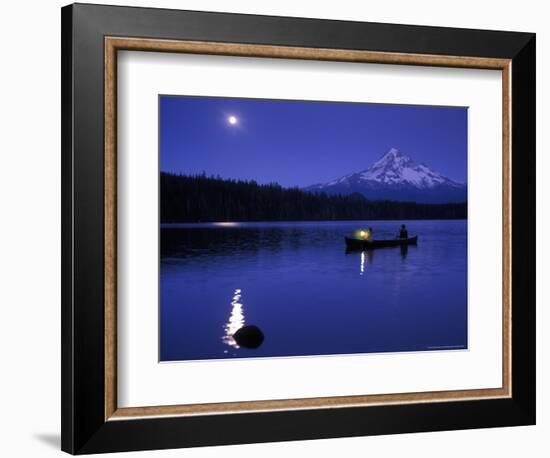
358	244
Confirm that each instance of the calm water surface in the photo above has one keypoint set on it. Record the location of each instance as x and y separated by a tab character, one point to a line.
297	284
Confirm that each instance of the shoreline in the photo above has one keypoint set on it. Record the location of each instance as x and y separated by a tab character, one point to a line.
281	222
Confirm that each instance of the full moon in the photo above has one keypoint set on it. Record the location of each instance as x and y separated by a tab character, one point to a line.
232	120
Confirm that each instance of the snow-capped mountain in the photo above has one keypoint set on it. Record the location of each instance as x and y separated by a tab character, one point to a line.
395	176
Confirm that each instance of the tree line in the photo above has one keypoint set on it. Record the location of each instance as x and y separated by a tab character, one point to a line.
202	198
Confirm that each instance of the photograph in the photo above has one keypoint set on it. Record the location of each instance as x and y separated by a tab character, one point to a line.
294	228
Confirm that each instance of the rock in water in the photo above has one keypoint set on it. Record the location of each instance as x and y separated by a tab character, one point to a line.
249	336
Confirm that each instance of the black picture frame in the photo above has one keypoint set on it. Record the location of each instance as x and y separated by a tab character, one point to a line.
84	428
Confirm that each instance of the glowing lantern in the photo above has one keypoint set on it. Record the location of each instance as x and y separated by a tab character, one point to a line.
362	234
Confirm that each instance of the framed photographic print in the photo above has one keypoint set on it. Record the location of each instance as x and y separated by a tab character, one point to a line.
281	228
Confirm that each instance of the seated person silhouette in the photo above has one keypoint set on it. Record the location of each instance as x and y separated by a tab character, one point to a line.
370	234
403	233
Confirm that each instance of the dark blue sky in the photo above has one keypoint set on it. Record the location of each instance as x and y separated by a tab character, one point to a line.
299	143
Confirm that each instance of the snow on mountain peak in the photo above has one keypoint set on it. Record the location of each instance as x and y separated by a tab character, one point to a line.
396	168
393	152
395	176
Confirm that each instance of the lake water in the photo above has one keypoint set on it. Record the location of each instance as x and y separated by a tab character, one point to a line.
296	283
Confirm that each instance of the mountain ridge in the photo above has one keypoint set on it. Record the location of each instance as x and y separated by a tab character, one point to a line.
396	176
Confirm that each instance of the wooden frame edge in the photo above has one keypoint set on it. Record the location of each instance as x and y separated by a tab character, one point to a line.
291	52
334	402
111	46
110	234
507	227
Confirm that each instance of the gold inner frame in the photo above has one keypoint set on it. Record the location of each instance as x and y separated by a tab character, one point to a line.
114	44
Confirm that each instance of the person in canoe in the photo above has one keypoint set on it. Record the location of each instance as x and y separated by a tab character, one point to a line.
364	240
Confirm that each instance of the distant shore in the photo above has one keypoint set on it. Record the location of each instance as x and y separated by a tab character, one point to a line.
229	224
204	199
